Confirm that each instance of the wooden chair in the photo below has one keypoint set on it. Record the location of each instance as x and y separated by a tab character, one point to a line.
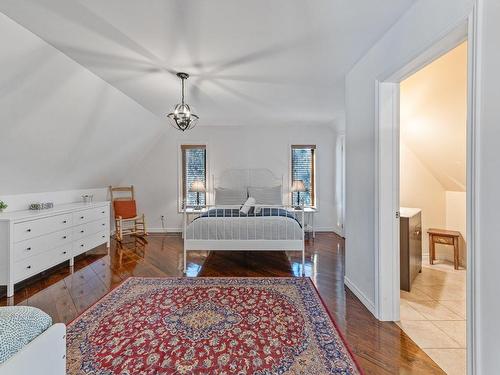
127	222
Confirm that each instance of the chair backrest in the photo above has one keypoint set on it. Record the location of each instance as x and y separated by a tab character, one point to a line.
125	209
122	193
123	199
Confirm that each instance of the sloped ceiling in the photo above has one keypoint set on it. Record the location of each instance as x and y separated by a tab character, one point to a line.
62	127
434	117
260	61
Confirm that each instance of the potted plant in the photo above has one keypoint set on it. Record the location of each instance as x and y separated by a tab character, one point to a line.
3	206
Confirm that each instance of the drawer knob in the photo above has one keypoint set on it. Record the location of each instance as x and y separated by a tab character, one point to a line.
65	252
28	267
64	237
103	224
28	248
82	245
82	217
103	212
82	231
28	230
65	221
103	236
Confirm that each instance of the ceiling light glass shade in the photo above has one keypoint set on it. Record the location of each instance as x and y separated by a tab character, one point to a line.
182	118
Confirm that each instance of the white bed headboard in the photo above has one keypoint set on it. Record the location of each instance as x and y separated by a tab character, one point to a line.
242	178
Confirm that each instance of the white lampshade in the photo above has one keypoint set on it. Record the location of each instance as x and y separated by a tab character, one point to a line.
197	187
298	185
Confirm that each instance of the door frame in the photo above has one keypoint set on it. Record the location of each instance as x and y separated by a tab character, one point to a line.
387	272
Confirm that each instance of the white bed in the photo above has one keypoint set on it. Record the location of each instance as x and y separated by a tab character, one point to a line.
268	226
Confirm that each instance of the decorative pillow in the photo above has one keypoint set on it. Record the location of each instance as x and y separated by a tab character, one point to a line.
266	195
19	325
125	209
248	205
225	196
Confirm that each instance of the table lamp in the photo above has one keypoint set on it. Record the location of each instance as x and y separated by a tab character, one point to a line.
298	186
197	187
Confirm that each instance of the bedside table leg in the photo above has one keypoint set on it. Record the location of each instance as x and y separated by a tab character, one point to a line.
10	289
312	224
431	249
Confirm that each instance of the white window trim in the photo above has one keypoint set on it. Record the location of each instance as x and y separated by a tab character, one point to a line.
316	175
208	184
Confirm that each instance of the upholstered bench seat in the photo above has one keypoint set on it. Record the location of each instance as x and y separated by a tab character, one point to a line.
19	325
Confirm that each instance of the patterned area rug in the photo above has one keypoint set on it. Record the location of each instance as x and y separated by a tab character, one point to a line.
208	326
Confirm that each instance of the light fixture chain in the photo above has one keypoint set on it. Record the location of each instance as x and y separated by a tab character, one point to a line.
182	91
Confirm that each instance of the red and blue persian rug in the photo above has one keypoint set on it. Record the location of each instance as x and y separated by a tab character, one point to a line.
259	326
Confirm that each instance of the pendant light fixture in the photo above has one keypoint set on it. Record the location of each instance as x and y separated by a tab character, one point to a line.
182	118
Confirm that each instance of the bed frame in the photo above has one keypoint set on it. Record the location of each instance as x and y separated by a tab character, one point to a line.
45	355
241	179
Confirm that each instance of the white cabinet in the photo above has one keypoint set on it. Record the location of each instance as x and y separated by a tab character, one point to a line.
33	241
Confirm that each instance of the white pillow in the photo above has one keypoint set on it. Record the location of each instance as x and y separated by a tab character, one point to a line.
248	205
265	195
225	196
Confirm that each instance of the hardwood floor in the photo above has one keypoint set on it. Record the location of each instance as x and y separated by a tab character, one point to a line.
380	347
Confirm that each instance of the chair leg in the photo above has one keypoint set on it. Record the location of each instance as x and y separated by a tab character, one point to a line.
119	230
144	225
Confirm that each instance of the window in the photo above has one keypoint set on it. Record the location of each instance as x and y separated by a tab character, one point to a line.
303	169
194	169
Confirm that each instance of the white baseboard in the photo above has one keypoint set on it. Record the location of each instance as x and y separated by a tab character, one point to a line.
361	296
329	229
164	230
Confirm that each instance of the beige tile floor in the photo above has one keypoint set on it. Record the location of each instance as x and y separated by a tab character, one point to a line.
433	315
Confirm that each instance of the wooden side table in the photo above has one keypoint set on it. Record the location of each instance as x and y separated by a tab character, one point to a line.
444	237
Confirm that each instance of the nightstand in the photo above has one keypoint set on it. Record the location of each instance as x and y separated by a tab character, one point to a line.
309	213
191	211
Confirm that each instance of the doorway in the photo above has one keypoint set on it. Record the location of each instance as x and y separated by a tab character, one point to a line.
432	181
387	288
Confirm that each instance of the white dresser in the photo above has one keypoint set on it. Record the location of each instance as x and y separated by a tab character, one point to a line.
33	241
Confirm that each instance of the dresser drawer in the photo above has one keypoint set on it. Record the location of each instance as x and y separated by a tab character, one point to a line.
34	228
442	240
88	243
85	230
35	264
38	245
86	216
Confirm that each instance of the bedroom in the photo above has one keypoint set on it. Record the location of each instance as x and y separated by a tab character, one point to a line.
85	92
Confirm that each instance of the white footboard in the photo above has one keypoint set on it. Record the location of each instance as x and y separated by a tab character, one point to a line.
45	355
226	228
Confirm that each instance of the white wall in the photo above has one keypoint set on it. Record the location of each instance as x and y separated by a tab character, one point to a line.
487	257
425	23
456	216
419	28
62	127
156	175
419	188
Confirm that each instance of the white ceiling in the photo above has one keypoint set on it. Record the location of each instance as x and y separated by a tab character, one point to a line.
259	61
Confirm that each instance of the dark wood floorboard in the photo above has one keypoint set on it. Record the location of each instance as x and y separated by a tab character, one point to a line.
380	347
